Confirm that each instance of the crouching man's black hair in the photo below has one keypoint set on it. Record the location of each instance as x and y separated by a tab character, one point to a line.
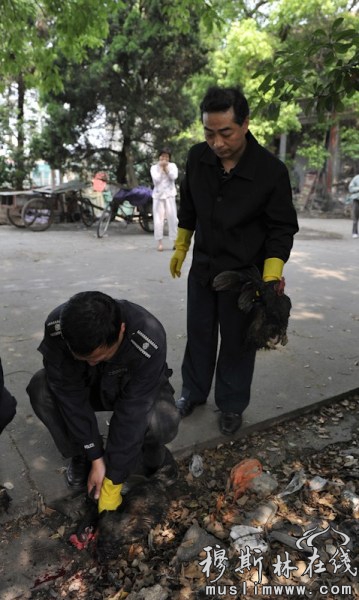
90	320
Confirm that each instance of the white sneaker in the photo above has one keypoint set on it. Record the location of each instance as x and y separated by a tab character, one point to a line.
355	235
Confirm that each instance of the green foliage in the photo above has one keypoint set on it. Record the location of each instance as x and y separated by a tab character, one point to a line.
121	78
319	66
33	33
349	143
315	153
132	87
246	45
179	14
7	172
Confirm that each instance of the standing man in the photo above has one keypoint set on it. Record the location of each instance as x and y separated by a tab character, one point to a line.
102	354
236	198
164	174
354	198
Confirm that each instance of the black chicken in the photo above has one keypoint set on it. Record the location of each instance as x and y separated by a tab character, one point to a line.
142	508
266	302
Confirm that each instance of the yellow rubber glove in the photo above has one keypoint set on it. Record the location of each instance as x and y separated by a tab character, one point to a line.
273	268
110	495
182	245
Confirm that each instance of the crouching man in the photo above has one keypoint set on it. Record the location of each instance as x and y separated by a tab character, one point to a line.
7	403
102	354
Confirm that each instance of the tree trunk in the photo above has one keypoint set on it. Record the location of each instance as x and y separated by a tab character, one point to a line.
121	171
131	175
19	155
125	172
332	164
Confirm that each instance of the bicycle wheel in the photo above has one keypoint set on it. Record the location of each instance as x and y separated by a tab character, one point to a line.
146	222
146	218
37	214
87	212
104	222
13	214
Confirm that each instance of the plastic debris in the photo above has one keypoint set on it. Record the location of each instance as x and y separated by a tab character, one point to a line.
196	465
244	535
317	483
353	500
242	474
295	484
263	514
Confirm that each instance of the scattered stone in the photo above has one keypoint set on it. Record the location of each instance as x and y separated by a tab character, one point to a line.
194	541
264	485
156	592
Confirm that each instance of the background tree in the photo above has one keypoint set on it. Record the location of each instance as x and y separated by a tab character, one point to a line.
127	100
291	57
316	61
119	82
32	35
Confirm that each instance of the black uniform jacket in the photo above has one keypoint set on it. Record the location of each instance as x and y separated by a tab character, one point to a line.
128	385
240	220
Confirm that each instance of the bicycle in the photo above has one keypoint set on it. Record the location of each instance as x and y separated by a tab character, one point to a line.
128	205
64	202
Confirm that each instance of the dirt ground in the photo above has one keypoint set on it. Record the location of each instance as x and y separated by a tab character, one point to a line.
303	498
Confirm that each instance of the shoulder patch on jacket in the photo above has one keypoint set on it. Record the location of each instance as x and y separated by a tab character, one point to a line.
54	328
143	343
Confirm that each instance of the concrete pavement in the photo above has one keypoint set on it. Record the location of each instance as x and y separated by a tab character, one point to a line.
41	270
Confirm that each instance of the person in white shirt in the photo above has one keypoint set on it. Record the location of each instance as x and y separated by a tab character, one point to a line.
164	174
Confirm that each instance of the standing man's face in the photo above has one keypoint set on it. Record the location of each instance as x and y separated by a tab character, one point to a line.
223	135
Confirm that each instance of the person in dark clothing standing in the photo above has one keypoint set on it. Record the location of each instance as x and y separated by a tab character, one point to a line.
102	354
236	198
7	403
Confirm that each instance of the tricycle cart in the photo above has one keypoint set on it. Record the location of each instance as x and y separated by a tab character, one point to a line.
63	202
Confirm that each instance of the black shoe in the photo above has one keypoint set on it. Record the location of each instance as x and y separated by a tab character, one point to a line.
77	472
167	472
229	422
186	407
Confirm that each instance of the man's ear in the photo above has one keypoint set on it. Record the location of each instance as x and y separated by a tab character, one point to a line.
121	332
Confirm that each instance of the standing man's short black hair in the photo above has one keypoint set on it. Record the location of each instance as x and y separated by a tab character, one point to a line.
90	320
219	99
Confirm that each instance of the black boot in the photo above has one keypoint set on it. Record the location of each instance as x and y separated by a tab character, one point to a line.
78	471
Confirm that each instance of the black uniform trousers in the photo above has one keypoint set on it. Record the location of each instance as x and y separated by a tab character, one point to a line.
7	403
208	314
7	408
162	429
